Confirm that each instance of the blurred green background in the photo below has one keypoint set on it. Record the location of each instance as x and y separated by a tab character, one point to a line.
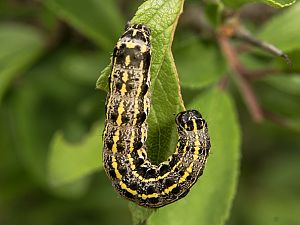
52	53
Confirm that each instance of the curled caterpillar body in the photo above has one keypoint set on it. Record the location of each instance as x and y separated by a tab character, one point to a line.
127	107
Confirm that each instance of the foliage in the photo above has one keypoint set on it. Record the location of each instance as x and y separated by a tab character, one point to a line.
52	117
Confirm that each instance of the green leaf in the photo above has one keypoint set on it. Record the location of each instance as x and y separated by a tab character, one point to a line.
295	58
293	123
161	17
71	161
83	67
213	11
30	133
265	207
8	160
279	3
44	102
281	103
209	201
91	18
198	65
73	190
162	136
283	30
20	47
274	3
288	83
271	205
166	103
166	97
102	82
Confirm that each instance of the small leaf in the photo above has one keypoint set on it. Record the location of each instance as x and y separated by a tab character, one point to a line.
91	18
102	82
73	190
20	47
198	65
71	161
83	67
279	3
209	201
281	103
213	11
283	30
274	3
295	58
289	83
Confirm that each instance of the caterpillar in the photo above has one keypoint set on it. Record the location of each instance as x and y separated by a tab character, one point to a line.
127	107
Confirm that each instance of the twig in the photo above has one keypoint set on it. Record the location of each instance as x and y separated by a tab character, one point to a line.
247	37
238	71
275	118
223	82
255	74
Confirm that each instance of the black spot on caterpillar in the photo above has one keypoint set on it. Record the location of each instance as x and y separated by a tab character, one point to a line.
127	108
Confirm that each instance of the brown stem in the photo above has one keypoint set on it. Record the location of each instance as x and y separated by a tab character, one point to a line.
223	82
238	71
256	74
275	118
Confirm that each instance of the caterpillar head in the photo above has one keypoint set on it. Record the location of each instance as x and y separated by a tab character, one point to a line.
137	26
139	33
190	120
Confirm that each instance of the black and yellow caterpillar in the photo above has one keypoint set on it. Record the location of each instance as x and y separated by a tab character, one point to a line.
127	107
